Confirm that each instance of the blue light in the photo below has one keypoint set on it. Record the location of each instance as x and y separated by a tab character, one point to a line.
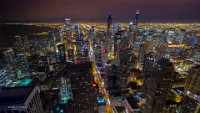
100	101
76	27
116	27
86	47
61	111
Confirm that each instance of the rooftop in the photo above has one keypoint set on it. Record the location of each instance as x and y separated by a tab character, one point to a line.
120	109
132	102
14	95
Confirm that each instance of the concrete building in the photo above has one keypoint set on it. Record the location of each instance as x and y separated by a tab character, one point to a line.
20	100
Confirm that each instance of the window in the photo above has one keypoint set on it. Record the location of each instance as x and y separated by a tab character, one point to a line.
30	104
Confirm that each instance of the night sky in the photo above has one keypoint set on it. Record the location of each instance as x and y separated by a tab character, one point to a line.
97	10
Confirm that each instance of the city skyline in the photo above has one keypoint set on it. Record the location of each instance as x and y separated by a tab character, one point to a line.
96	11
108	56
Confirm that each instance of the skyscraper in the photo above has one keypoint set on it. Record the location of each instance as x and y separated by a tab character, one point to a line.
136	19
109	22
193	79
62	56
190	104
159	85
68	27
191	99
20	48
65	91
148	67
24	99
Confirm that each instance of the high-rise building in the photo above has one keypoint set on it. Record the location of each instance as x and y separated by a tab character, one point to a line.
190	104
65	91
7	62
108	74
148	67
159	85
193	79
24	99
70	54
133	25
68	27
20	47
4	76
62	56
109	21
136	19
191	99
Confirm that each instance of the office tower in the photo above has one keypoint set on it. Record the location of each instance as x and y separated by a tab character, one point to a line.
190	103
104	55
65	91
108	74
109	22
83	92
68	27
148	67
141	52
4	76
70	54
7	60
136	19
193	79
124	55
24	99
161	51
191	99
20	48
159	85
61	50
134	24
7	56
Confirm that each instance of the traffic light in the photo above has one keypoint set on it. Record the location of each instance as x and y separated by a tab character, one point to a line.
104	51
94	85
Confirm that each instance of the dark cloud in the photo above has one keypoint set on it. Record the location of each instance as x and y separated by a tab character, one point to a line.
97	10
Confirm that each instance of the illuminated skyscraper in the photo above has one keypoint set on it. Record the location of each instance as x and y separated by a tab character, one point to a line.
7	60
148	68
65	91
62	56
191	99
4	76
71	54
20	47
136	19
133	24
190	104
68	27
193	79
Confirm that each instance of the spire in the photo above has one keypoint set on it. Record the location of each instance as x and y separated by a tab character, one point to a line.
138	11
109	13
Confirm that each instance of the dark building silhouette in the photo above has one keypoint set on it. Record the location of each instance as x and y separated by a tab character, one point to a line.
136	19
159	85
109	21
